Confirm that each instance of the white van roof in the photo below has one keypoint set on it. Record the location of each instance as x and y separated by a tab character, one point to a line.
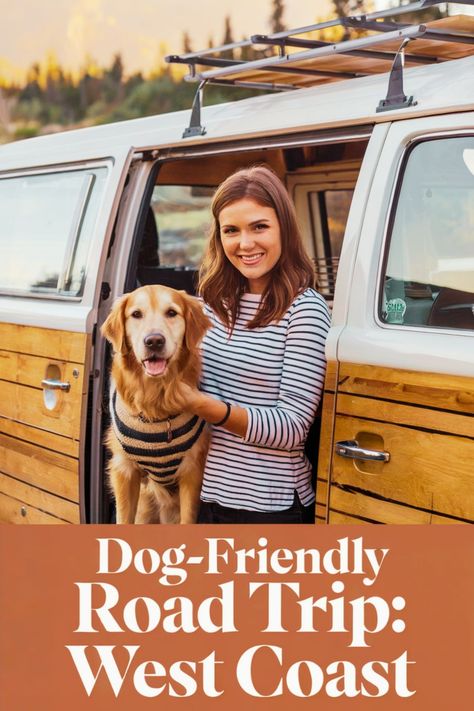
437	88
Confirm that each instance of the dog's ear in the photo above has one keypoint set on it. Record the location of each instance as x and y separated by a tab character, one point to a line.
197	322
113	328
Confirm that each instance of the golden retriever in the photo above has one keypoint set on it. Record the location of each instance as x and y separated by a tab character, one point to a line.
158	452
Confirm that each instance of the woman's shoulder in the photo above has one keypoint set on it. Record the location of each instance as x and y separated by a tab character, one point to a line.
205	307
309	300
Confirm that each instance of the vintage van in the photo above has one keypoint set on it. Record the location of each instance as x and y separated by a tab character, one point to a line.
383	183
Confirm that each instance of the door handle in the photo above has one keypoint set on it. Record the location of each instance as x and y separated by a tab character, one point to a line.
350	449
51	384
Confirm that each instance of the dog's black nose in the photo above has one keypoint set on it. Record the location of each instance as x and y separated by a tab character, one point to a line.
154	341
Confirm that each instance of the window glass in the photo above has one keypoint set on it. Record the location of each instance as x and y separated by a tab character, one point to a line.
429	277
46	225
329	211
183	217
338	203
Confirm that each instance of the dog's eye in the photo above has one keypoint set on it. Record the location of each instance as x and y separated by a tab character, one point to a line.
137	314
171	313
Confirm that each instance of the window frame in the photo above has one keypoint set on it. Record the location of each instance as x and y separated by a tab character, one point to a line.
388	231
70	246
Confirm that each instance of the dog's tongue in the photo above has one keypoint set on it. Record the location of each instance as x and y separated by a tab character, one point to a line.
155	367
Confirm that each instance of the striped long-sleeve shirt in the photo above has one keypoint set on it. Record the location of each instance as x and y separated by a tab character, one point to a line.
277	373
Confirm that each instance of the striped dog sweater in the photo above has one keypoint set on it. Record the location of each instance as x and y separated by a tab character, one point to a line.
158	446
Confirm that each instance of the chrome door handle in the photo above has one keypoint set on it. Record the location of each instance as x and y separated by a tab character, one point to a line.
350	449
50	384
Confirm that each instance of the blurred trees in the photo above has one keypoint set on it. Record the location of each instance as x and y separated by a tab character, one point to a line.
53	98
276	19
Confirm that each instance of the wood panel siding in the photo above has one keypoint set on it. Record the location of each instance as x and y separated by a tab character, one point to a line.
26	405
51	471
58	345
35	435
447	392
426	423
41	500
15	511
40	445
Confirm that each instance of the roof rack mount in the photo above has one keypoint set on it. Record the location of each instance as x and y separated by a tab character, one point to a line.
321	61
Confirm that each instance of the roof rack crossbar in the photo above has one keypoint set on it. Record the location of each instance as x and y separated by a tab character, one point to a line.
209	50
203	61
326	51
443	36
218	62
341	21
267	86
363	53
431	33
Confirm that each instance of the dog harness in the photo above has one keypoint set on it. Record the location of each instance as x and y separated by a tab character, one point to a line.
157	446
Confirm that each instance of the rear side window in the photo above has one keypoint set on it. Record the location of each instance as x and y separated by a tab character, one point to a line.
46	226
429	275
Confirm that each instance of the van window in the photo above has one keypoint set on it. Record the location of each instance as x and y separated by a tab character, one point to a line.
46	226
183	217
429	275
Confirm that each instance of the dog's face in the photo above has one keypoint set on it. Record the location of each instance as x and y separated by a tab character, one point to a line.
154	324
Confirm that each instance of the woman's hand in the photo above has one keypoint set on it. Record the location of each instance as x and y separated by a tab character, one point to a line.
190	399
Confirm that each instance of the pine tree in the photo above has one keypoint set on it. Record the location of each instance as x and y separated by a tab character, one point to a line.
228	38
429	13
345	8
112	80
187	48
116	70
276	21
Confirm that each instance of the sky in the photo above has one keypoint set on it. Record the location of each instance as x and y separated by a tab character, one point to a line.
141	30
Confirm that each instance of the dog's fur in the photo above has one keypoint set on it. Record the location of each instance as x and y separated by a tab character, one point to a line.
179	323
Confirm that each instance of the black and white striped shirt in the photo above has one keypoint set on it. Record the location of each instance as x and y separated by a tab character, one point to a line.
277	373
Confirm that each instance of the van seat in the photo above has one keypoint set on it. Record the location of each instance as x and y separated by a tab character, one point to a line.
453	309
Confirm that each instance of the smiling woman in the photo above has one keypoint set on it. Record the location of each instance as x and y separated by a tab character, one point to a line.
263	358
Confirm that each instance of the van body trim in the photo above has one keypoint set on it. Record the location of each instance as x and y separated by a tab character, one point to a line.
57	168
308	138
50	295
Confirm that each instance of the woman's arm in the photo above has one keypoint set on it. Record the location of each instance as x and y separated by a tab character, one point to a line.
304	366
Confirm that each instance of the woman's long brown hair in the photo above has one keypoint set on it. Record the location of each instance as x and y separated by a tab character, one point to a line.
221	285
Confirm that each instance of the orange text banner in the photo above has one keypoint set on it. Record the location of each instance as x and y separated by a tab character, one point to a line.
238	617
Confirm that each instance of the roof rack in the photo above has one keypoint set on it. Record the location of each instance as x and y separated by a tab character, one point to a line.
316	61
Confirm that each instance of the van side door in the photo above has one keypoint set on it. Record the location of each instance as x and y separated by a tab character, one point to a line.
55	222
402	444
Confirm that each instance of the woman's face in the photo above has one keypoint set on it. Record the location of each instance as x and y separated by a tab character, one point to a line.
251	239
